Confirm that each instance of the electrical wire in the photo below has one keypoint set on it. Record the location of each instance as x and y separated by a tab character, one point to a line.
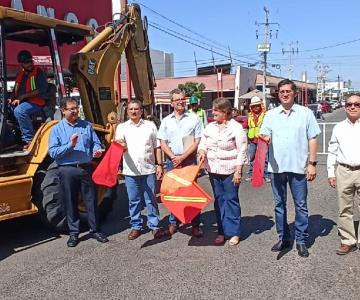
197	45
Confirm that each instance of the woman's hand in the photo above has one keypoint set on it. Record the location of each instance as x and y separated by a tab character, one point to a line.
201	156
236	178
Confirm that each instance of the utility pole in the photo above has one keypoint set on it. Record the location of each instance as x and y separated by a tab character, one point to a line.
265	46
321	70
196	65
291	52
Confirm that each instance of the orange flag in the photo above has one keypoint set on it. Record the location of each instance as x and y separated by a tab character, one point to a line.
107	170
181	195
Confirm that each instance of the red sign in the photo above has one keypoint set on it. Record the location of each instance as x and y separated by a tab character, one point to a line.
89	12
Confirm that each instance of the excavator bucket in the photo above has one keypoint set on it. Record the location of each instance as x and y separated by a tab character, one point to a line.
95	65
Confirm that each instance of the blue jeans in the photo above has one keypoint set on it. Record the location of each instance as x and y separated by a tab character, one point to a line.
227	204
138	187
23	114
169	166
251	153
298	188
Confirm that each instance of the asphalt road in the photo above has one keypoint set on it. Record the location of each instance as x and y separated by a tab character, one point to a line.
36	264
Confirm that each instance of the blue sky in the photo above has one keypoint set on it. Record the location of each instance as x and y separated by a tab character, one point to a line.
222	24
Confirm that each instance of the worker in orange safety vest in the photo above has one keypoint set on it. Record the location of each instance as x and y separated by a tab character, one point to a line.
253	124
29	94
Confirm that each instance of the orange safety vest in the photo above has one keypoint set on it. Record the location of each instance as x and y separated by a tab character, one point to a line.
254	128
30	85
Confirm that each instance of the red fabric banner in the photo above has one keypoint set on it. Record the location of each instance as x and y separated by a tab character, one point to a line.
107	170
257	179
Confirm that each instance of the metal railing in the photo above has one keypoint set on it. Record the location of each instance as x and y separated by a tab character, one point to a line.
325	136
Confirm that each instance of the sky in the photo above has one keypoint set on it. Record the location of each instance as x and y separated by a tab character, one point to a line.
319	31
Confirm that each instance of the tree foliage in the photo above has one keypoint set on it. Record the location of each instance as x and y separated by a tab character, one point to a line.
192	88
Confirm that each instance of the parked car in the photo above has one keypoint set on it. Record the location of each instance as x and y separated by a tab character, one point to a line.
334	104
313	108
240	119
209	115
326	107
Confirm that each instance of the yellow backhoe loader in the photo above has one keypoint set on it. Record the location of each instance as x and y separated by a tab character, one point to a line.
29	181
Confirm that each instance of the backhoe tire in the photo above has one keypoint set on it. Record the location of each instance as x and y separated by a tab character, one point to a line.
46	197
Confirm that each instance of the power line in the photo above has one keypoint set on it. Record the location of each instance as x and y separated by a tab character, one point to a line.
182	26
194	44
332	46
184	35
223	47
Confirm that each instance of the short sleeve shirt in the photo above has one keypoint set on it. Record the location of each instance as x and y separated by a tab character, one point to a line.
289	133
173	131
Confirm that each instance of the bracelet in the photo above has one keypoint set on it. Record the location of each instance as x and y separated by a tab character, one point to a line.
160	165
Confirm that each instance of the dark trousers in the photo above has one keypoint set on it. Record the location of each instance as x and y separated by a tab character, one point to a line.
74	180
227	204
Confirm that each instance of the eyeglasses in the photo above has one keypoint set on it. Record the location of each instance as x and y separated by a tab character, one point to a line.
179	99
72	108
285	92
350	104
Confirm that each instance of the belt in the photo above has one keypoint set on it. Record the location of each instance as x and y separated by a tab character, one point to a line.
351	168
85	165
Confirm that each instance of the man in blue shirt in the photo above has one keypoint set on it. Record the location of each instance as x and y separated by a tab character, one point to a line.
179	136
73	143
291	131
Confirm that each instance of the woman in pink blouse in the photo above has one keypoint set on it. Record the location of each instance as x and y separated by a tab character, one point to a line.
223	146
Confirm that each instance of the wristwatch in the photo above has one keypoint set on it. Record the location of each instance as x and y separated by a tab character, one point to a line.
313	163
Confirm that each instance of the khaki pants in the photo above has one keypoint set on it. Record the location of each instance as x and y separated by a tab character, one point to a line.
348	188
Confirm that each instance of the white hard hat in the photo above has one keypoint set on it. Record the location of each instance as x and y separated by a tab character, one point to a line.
255	101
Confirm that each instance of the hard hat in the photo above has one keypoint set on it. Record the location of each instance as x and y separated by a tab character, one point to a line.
194	100
255	101
24	56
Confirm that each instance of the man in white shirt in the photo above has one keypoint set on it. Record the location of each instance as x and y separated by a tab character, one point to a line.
344	148
176	130
140	169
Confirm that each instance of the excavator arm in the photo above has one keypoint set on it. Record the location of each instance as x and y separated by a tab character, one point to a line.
95	65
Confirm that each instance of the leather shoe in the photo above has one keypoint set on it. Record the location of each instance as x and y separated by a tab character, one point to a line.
158	234
72	241
220	240
302	250
100	237
196	231
345	249
281	245
172	229
134	234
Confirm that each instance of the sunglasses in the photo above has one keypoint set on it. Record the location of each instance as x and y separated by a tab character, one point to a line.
350	104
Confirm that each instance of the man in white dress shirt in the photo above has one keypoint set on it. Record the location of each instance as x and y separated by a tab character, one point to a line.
140	168
344	148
